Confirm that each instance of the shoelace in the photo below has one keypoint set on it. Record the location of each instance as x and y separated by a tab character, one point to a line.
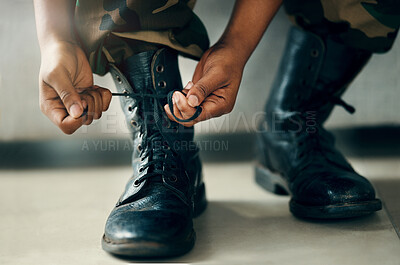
154	145
313	141
169	101
159	160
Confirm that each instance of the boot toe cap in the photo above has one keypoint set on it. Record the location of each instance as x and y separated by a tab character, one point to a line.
334	188
128	225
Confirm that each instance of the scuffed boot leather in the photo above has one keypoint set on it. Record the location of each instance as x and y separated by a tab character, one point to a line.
296	154
153	217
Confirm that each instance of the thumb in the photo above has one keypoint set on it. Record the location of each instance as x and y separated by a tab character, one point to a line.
69	96
201	89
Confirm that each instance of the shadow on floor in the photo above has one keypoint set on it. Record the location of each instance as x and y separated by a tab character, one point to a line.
357	142
256	227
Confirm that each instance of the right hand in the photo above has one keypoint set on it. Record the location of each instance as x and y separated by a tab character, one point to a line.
215	86
66	87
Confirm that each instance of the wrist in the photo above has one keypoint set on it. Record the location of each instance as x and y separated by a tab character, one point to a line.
234	49
53	40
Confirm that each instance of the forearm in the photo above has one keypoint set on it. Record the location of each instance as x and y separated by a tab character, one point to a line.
54	21
249	21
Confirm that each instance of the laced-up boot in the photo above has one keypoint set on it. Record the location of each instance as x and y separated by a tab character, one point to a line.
296	154
153	217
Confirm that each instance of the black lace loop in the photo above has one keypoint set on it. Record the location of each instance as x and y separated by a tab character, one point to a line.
171	108
169	100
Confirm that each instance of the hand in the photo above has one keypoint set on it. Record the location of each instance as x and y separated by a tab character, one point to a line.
215	85
66	87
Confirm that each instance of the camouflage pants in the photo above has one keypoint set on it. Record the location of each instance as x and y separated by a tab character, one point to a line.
112	30
365	24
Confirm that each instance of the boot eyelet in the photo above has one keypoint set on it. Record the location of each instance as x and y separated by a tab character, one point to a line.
314	53
130	108
173	178
119	79
141	170
136	183
139	147
160	68
133	123
162	84
126	93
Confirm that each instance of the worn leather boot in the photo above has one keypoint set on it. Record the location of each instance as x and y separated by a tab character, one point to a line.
296	154
153	217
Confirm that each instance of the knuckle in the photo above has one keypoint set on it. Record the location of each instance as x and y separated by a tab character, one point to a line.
67	130
107	95
228	108
64	95
43	106
190	124
202	89
221	71
51	74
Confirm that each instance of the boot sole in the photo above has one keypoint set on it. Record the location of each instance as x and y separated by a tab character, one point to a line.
274	183
144	249
149	249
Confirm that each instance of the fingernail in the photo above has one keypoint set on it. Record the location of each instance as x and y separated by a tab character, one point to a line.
189	85
175	98
75	110
193	101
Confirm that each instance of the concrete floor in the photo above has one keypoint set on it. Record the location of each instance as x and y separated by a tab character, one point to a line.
57	216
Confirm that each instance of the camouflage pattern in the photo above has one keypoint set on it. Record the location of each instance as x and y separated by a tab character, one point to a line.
366	24
113	30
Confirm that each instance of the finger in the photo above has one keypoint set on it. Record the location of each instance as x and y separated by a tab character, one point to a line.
198	72
182	104
168	112
62	84
177	114
69	125
175	110
106	96
213	107
90	108
59	116
187	88
210	82
98	103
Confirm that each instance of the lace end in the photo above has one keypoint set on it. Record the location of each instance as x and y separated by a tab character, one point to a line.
346	106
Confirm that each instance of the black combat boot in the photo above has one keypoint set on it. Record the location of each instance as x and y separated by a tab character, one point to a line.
153	217
296	154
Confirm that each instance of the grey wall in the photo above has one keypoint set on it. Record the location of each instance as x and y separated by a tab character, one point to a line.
375	93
